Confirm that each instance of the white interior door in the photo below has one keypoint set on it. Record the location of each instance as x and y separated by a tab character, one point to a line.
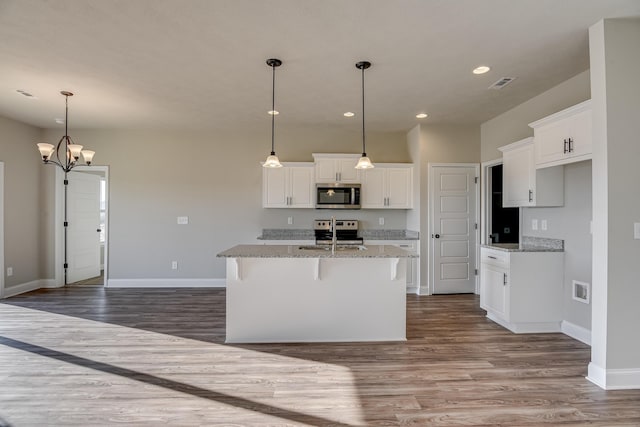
2	230
83	236
453	231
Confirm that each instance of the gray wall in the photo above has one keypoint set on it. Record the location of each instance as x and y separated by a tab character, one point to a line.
571	222
215	179
438	144
22	204
615	65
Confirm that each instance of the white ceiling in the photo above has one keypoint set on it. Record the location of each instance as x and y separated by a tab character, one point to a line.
201	63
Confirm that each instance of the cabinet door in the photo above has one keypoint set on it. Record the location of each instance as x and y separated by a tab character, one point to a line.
326	171
550	141
399	188
494	290
301	187
518	177
274	187
581	137
373	194
347	171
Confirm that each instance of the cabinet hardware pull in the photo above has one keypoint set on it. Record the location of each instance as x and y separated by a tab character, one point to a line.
571	145
531	195
492	257
565	146
504	282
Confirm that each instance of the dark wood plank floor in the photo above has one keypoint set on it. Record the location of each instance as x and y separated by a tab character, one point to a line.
86	356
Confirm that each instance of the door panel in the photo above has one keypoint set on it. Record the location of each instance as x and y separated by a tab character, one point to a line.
83	237
454	234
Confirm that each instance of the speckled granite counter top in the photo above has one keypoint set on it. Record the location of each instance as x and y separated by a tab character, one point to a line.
530	244
297	251
308	234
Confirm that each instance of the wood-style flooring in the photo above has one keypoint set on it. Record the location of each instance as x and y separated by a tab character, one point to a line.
89	356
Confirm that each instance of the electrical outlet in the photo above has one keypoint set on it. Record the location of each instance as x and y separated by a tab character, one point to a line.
543	224
381	220
9	271
534	224
507	230
174	265
636	230
290	220
182	220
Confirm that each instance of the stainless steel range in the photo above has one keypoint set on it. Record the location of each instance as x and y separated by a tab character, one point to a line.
346	232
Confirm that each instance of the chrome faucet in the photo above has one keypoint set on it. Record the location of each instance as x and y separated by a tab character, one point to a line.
334	237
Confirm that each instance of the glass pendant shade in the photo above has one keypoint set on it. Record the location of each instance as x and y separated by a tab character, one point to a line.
364	163
75	150
88	156
272	162
46	150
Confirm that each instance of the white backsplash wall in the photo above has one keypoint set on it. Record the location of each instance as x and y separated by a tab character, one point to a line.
394	219
570	223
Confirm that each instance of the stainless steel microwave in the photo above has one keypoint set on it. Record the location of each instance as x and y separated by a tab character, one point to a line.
337	196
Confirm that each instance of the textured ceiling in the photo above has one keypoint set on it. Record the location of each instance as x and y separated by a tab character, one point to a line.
201	63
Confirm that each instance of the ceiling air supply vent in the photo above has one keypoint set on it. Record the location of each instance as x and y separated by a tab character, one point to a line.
502	83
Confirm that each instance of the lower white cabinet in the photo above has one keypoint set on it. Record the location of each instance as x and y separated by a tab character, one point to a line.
291	186
412	263
522	291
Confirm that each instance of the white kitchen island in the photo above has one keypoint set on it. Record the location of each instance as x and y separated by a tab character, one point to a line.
290	293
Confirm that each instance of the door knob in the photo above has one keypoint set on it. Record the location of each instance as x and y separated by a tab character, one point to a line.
437	236
98	230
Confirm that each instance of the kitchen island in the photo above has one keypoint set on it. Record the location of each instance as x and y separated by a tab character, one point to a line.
291	293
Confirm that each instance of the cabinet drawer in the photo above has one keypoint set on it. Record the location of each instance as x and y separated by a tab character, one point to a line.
494	257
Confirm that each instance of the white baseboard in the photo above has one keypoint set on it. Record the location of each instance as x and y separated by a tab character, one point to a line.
28	287
413	290
166	283
423	290
614	379
526	327
576	332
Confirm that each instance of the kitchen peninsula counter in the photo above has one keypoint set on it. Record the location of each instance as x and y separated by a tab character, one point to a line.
282	293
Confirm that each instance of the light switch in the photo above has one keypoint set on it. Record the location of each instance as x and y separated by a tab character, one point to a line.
543	224
9	271
636	230
183	220
290	220
534	224
381	220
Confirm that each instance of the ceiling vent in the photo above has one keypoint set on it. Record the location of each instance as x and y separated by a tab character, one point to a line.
502	83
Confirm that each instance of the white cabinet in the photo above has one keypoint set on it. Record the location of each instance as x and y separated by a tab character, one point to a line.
522	291
412	263
336	168
523	184
291	186
563	137
387	186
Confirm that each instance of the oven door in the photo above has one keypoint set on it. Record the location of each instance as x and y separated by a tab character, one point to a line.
336	196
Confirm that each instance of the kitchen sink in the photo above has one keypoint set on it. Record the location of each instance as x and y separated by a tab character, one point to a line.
328	248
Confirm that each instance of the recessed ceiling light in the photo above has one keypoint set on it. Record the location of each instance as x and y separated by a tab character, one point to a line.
59	121
481	69
421	116
273	112
349	114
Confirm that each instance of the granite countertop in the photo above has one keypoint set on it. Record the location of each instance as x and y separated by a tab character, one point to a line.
530	244
307	234
295	251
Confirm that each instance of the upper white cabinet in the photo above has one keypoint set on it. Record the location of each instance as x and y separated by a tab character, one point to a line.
524	185
563	137
387	186
291	186
336	168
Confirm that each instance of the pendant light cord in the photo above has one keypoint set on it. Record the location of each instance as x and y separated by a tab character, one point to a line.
364	154
273	109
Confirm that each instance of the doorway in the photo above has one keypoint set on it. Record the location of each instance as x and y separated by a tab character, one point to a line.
503	224
87	231
1	229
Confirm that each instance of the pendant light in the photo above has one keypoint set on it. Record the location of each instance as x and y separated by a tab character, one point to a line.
364	162
272	160
67	154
